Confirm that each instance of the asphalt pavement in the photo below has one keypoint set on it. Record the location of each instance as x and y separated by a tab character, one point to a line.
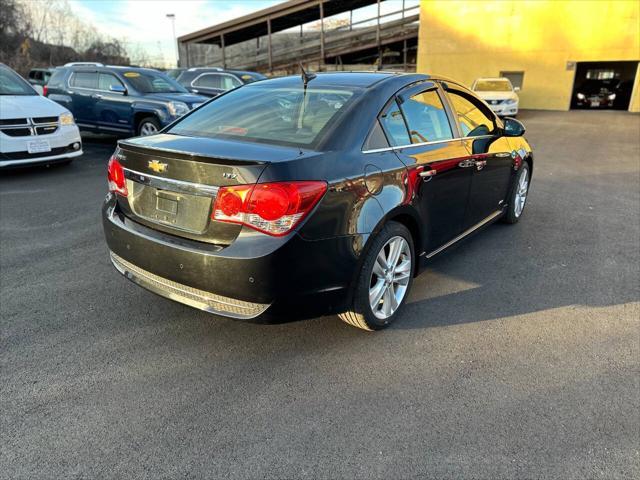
517	357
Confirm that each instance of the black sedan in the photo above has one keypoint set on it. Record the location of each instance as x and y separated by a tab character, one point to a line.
312	195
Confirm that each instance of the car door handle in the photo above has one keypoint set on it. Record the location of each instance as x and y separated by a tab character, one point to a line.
97	96
428	174
467	163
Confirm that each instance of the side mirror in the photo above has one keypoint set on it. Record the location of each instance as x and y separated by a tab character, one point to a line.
118	89
516	89
513	128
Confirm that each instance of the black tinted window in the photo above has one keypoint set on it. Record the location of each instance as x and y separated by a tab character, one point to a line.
85	80
376	138
473	119
263	113
426	118
394	126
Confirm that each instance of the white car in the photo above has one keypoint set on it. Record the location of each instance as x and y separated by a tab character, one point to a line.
499	95
33	129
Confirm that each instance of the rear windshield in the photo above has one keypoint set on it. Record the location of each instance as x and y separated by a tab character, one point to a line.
12	84
262	113
153	82
492	86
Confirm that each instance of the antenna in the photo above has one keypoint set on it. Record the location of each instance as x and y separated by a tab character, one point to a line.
306	77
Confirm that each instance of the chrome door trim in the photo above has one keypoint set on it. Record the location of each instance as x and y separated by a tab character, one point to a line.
422	144
171	184
465	233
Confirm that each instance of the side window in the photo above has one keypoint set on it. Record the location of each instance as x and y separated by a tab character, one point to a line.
105	80
376	138
57	78
84	80
215	80
229	82
474	121
208	80
393	123
426	118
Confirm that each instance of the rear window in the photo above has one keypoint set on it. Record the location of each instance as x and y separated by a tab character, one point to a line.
262	113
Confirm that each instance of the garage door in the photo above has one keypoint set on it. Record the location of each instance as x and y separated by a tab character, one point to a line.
603	85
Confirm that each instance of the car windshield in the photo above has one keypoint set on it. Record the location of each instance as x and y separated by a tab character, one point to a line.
492	86
153	82
12	84
264	113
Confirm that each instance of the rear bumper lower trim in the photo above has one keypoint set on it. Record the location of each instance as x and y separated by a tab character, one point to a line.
203	300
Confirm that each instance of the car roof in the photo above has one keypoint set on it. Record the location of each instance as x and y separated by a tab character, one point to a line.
492	78
343	79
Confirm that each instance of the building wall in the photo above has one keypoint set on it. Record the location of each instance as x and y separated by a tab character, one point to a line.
466	39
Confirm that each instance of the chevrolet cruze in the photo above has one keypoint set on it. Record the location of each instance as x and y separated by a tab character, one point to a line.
325	193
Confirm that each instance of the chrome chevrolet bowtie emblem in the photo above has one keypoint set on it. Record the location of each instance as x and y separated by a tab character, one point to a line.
157	166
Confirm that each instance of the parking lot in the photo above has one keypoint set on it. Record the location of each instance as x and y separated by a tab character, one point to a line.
518	355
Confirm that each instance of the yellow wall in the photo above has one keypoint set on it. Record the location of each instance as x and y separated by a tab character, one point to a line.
467	39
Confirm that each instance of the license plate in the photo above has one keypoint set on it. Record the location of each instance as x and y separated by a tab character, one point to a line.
38	146
595	103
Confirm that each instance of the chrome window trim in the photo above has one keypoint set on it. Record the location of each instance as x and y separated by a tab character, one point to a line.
422	144
97	83
171	184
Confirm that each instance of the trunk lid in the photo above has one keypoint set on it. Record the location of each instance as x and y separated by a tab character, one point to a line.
173	180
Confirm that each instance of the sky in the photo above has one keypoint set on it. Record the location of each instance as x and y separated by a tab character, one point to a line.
143	23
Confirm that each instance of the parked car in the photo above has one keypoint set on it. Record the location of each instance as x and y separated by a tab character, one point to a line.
274	198
39	77
212	81
175	72
499	94
120	100
596	94
33	129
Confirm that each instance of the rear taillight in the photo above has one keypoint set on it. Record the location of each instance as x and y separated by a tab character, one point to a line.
45	91
271	208
115	176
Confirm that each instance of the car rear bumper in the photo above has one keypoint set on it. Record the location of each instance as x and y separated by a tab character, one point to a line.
283	275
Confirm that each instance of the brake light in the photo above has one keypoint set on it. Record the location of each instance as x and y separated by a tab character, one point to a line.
271	208
45	91
115	177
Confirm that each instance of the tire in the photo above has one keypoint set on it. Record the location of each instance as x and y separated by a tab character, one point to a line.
148	126
361	313
516	204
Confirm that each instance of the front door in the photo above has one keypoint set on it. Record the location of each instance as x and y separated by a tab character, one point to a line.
427	146
490	156
113	110
82	89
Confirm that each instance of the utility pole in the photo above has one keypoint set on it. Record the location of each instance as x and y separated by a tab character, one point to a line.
172	17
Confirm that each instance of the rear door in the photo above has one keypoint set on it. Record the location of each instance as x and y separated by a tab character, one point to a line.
82	90
490	155
113	111
432	150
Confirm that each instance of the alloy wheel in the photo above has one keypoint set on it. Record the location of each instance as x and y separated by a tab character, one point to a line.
148	128
390	277
521	192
